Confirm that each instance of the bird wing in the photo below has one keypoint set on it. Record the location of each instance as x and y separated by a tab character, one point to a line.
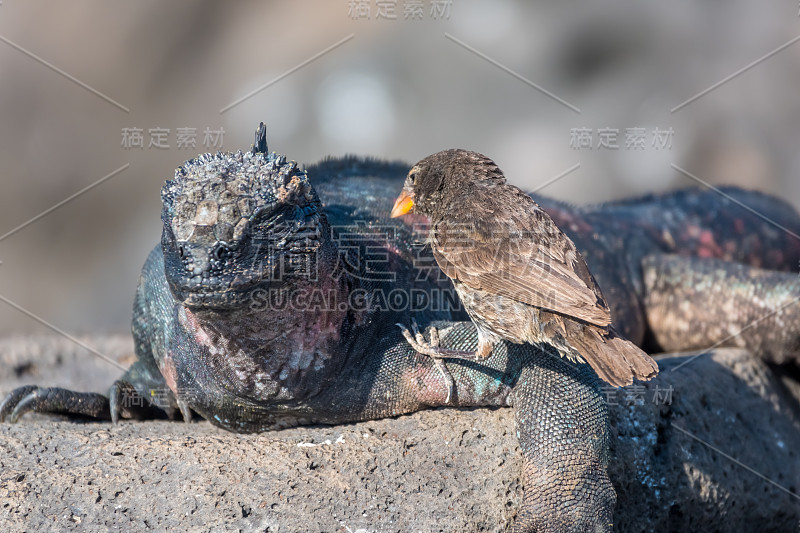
517	251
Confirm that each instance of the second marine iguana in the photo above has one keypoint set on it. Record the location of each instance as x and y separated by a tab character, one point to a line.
270	303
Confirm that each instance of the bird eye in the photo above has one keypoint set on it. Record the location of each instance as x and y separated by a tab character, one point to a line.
412	177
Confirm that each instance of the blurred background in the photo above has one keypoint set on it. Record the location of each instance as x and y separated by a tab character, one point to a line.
91	87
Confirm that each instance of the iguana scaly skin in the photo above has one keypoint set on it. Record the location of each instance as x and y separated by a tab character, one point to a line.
269	303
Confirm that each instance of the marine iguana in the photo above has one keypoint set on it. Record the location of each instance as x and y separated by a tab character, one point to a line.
270	303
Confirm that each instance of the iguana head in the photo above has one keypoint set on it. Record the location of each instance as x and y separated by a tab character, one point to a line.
235	223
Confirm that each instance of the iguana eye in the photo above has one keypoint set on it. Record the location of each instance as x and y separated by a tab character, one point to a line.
181	251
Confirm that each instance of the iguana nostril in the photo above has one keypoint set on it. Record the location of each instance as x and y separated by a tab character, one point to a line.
221	252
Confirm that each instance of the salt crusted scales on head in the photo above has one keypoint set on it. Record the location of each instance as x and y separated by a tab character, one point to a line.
214	196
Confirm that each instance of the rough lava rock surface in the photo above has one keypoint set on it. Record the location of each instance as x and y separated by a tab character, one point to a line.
697	464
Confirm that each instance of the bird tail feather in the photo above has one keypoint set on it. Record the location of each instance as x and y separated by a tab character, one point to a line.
616	360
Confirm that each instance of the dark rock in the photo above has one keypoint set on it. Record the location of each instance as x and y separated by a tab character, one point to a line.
720	457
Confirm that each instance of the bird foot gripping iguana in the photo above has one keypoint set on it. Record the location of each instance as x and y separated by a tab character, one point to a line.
265	306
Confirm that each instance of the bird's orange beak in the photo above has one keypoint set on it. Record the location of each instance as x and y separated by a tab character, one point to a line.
403	204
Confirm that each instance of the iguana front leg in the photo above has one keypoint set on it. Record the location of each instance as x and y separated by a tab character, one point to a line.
562	426
32	398
142	392
123	400
561	423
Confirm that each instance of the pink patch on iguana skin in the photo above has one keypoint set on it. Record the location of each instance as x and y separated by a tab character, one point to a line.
708	247
429	384
170	373
415	220
167	365
190	323
566	220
